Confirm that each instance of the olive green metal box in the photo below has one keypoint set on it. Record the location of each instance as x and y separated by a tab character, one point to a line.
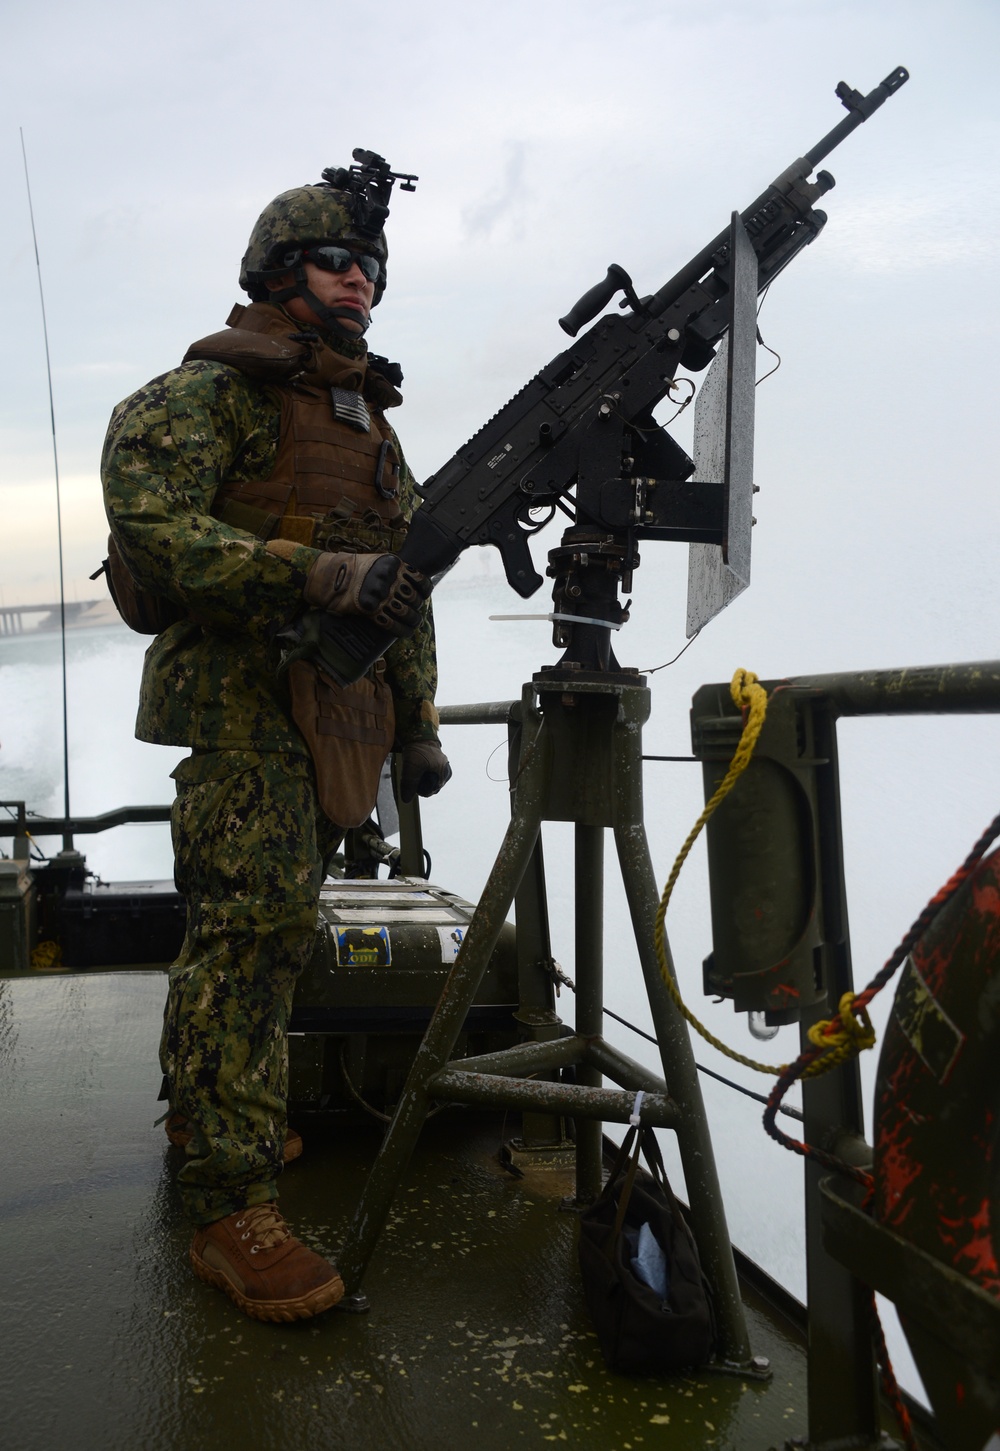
766	855
383	953
17	916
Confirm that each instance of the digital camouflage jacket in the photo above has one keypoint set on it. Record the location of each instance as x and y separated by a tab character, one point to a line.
210	681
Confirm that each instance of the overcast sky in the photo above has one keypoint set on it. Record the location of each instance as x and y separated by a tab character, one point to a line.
551	138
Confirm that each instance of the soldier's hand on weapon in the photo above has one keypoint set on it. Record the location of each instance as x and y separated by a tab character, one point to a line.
379	586
425	770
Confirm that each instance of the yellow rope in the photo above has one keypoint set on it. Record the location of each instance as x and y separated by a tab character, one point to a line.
844	1035
46	956
848	1033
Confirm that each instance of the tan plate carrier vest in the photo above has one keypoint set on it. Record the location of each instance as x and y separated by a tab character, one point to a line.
331	484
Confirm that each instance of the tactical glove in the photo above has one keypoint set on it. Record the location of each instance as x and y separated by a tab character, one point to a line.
425	770
379	586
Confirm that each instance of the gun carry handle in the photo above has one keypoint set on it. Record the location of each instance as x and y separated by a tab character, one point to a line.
596	300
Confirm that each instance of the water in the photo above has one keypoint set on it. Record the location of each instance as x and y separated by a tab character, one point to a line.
916	794
108	766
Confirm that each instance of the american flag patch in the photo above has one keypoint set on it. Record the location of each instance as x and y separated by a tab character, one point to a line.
350	408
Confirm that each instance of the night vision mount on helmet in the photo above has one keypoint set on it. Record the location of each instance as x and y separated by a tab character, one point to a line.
349	206
369	185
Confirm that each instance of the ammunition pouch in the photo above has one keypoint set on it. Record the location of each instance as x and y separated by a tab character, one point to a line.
349	731
149	613
142	610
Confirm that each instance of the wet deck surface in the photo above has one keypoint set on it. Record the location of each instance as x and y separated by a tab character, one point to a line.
477	1333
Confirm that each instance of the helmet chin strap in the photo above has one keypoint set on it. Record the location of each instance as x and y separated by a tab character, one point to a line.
329	316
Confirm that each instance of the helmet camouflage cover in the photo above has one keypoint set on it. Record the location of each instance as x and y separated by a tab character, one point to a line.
306	214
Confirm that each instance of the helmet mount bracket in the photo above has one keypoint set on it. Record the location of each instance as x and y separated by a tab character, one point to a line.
369	184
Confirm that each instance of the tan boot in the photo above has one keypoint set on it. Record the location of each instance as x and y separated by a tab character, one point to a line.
255	1259
178	1130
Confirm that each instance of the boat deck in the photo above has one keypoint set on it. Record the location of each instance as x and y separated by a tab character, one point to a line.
477	1332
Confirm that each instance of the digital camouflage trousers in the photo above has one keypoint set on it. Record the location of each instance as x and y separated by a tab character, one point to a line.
250	846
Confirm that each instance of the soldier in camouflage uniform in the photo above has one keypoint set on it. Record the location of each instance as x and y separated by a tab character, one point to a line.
255	486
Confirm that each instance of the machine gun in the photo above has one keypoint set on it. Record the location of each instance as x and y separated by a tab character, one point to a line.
581	437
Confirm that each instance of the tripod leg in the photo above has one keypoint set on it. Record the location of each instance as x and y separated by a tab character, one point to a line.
589	996
450	1013
708	1216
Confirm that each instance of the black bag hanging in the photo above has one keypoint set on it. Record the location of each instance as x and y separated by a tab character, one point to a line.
642	1330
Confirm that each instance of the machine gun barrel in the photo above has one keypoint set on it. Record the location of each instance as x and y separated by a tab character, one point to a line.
860	107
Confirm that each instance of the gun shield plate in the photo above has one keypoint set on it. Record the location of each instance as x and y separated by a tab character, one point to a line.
723	443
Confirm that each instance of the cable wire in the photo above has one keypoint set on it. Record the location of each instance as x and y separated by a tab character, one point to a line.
561	977
67	839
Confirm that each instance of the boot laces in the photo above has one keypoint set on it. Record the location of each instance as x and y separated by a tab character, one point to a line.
267	1225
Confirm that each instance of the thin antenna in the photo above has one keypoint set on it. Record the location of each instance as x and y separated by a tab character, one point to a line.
67	836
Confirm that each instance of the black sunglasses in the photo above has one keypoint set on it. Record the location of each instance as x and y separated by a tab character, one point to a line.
340	259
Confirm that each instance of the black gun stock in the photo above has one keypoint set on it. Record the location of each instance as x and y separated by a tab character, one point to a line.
528	456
